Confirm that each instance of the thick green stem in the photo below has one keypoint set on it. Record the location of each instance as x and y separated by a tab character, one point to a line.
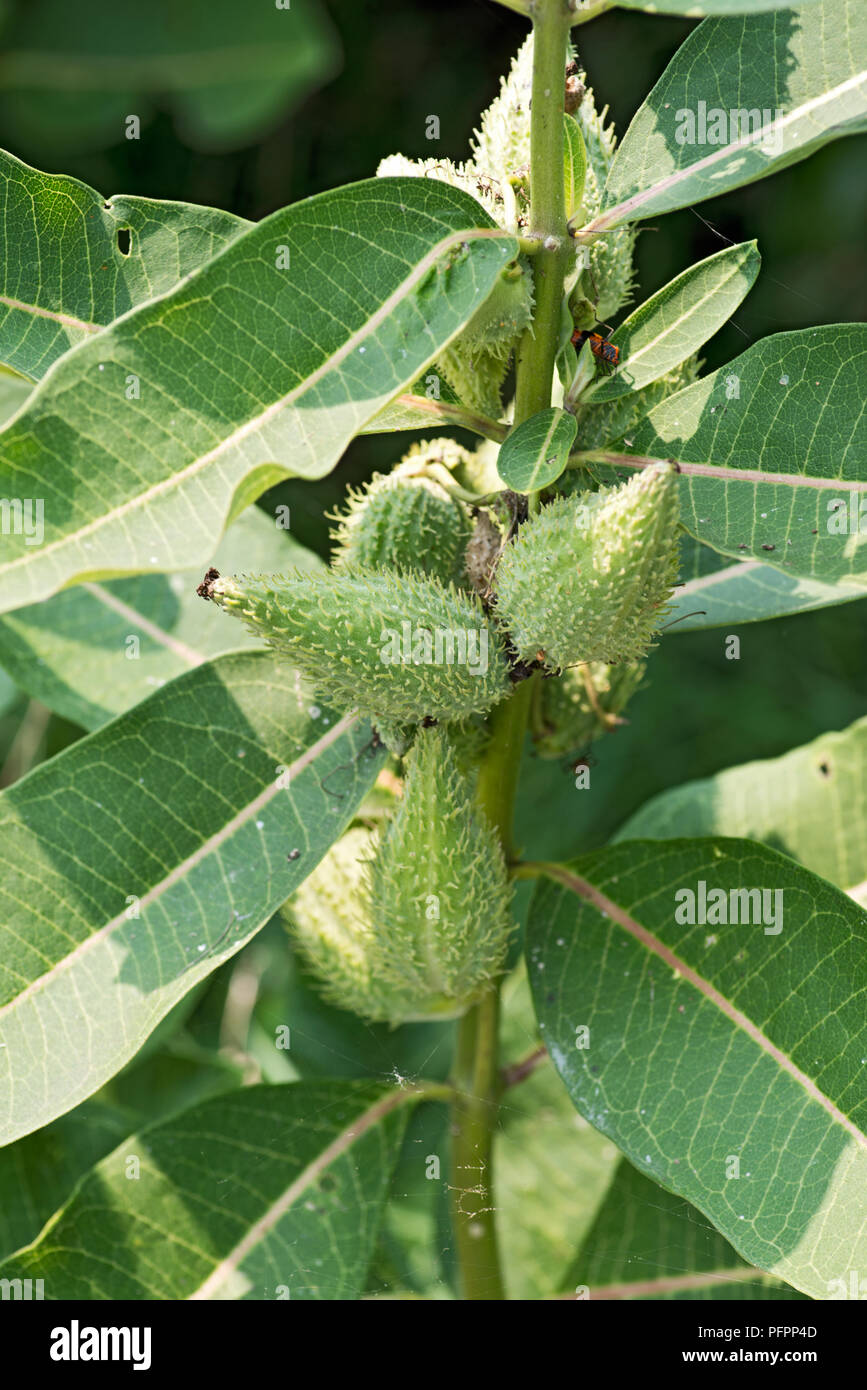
477	1077
476	1074
538	348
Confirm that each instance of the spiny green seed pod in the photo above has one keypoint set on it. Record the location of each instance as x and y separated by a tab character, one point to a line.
461	176
469	738
582	704
327	920
476	375
414	925
439	890
607	282
405	521
499	322
501	145
586	578
475	364
390	644
599	425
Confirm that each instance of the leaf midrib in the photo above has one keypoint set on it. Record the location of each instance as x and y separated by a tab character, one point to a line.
612	910
314	1170
180	871
612	216
257	422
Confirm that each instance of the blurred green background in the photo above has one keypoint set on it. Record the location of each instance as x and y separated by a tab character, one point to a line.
233	118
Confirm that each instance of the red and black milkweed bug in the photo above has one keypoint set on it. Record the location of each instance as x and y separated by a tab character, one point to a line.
605	352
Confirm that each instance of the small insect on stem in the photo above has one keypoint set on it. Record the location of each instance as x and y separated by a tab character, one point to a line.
606	353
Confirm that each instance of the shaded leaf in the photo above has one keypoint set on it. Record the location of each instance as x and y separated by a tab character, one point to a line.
273	1192
92	651
717	591
647	1243
536	452
64	275
39	1172
140	858
800	71
262	365
811	803
552	1168
712	1045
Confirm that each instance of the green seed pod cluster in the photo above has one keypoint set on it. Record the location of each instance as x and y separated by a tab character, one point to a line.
407	520
582	704
587	577
415	924
396	646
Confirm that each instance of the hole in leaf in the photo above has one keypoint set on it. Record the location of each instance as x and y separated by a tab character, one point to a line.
124	240
825	769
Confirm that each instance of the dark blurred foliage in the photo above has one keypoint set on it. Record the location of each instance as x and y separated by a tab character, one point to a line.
402	62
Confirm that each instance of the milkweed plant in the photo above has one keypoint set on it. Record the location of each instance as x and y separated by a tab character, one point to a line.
332	755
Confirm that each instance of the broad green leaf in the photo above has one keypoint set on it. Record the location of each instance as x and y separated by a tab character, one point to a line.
675	322
742	97
718	1049
64	274
574	164
647	1243
716	591
92	651
142	857
810	803
772	451
273	1192
262	365
535	452
227	73
39	1172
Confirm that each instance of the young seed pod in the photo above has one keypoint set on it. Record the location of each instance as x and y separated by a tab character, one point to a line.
412	926
329	921
440	894
407	522
582	705
393	645
475	364
587	577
